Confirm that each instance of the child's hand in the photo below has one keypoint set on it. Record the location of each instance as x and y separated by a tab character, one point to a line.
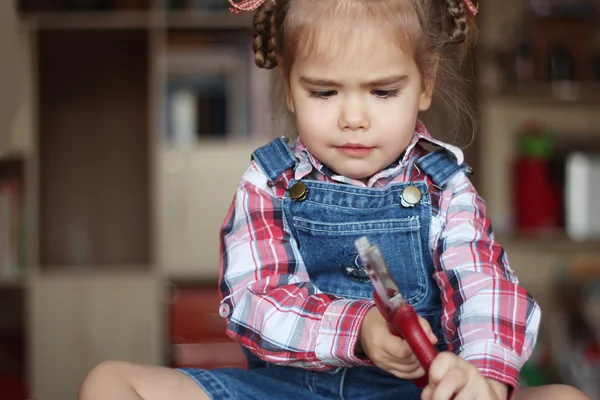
387	351
452	377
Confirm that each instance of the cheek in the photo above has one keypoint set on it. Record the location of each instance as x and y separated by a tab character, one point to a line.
398	113
311	114
309	123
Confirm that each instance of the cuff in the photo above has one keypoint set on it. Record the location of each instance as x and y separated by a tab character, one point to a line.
494	362
339	332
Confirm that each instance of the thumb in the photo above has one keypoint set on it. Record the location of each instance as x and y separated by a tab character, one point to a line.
427	328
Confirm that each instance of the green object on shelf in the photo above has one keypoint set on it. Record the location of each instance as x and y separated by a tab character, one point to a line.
535	142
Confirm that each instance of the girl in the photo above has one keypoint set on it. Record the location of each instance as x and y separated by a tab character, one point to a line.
356	76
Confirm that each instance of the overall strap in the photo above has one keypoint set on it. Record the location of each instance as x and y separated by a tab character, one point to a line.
441	165
275	158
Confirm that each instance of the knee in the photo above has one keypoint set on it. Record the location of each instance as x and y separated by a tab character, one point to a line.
551	392
568	392
102	375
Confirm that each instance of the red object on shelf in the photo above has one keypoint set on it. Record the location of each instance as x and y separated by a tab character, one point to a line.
194	315
13	387
537	198
209	355
537	201
197	331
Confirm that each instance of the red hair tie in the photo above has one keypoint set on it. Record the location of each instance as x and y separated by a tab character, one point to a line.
244	5
472	7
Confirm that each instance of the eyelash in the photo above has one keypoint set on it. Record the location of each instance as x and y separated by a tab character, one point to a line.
380	94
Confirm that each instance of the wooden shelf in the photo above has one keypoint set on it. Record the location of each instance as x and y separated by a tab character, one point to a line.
11	283
574	93
555	243
107	20
209	20
92	20
12	153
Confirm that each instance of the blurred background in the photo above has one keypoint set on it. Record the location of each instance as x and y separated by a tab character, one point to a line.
125	126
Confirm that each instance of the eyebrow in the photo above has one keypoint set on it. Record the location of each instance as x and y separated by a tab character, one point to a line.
377	82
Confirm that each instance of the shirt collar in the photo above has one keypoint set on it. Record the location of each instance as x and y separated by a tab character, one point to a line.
308	163
421	133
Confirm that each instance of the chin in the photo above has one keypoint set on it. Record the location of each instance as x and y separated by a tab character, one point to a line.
359	175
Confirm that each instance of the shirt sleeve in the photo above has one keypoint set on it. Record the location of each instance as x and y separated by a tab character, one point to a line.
274	309
487	317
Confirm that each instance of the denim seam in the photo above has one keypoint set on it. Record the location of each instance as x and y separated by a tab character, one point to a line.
342	380
360	208
376	221
357	231
379	193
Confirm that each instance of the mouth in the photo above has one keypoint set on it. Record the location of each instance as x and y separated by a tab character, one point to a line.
355	150
354	146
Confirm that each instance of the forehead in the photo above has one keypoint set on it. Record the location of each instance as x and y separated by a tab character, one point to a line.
361	51
351	29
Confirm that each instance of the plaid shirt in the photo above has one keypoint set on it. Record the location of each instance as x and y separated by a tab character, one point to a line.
279	315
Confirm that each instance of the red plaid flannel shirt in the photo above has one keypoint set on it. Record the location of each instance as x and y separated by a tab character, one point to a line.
280	316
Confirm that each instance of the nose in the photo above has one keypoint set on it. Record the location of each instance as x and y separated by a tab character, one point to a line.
354	115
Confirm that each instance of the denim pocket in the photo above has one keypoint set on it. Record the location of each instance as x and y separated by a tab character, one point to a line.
328	251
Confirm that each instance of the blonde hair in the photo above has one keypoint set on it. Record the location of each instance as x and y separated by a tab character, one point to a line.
438	33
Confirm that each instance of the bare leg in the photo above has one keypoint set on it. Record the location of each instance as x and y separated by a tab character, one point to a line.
550	392
129	381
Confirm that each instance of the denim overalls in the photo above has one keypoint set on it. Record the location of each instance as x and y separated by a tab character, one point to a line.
325	219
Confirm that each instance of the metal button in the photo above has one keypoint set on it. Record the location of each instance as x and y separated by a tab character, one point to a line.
411	195
299	191
224	310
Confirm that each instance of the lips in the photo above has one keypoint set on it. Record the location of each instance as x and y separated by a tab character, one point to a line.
355	146
355	150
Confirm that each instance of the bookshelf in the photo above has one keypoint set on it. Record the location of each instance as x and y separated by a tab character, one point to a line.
567	107
123	205
570	109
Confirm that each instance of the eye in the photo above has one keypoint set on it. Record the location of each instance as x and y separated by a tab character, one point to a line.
384	94
325	94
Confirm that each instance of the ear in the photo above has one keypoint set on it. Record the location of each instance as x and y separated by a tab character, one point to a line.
429	84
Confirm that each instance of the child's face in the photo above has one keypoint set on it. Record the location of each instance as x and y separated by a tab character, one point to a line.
356	111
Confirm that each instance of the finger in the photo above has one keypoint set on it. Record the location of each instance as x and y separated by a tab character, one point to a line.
442	363
406	373
427	328
411	359
427	392
402	366
453	383
398	348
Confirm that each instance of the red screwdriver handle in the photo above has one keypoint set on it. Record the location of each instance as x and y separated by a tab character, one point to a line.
407	325
403	322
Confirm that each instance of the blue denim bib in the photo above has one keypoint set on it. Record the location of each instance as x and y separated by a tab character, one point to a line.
327	219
